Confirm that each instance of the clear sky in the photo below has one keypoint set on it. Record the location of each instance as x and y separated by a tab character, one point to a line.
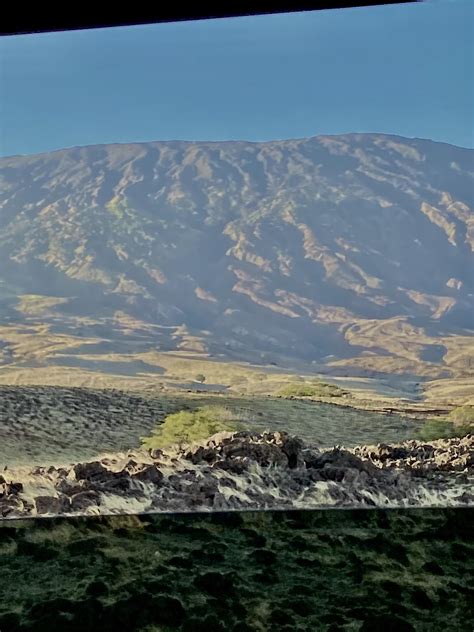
400	69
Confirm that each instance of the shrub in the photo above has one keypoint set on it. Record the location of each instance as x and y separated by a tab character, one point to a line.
311	390
188	426
442	429
463	415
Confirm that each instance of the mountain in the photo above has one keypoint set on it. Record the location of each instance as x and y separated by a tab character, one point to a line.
352	252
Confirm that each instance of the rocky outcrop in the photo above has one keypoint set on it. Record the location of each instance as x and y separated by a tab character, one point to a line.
10	502
246	470
443	455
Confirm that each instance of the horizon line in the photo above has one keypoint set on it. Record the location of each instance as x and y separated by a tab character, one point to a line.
225	141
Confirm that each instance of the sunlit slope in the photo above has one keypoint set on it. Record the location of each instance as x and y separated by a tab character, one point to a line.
352	252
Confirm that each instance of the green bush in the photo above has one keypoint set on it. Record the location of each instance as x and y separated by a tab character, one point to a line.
188	426
311	390
442	429
463	415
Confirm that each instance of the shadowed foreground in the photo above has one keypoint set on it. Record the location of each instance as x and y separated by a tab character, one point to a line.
390	570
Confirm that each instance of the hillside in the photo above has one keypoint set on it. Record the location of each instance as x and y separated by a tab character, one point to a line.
349	254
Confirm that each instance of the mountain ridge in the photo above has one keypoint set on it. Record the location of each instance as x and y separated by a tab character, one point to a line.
326	249
242	140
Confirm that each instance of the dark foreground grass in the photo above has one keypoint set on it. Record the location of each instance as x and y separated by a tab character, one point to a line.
376	570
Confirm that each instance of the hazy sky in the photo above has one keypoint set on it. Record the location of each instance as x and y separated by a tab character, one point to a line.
400	69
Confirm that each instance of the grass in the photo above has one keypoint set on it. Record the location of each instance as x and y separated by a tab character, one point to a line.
442	429
37	304
458	423
463	415
323	423
320	389
240	572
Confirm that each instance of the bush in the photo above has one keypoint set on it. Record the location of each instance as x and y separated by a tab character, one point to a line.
311	390
463	415
188	426
442	429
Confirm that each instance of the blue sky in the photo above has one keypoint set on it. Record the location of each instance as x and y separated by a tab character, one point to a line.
400	69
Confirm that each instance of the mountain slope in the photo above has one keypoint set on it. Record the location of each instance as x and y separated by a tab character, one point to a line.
354	252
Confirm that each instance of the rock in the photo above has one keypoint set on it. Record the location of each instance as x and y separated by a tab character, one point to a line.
234	466
90	471
11	488
148	474
248	470
262	453
292	447
51	504
99	478
202	492
340	460
11	505
207	454
156	453
84	500
68	487
443	455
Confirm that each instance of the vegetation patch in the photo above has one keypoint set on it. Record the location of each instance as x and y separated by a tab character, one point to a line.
189	426
319	389
185	573
442	429
38	305
463	415
117	207
458	423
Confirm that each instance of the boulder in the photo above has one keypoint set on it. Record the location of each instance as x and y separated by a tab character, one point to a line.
202	453
51	505
97	477
84	500
293	448
265	454
340	459
92	471
156	453
11	505
148	474
7	489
